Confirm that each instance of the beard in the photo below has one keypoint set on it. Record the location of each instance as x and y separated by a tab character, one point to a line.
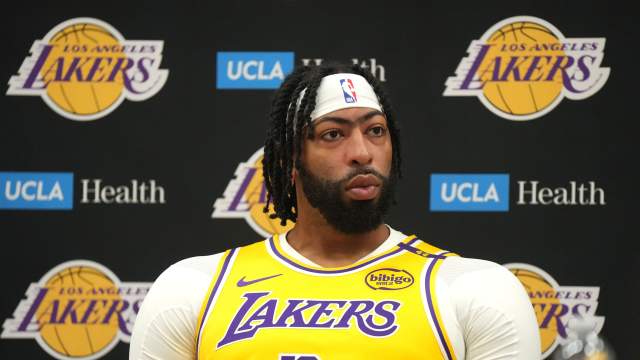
346	215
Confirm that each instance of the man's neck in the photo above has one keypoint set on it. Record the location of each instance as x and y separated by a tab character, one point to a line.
321	243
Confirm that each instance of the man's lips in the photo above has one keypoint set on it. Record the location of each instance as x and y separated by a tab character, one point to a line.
363	187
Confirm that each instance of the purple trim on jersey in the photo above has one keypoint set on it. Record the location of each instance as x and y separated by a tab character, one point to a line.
224	269
422	253
272	245
431	308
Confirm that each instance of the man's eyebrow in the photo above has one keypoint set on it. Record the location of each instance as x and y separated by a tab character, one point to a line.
340	120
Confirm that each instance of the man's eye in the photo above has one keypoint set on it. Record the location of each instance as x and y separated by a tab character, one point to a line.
377	131
331	135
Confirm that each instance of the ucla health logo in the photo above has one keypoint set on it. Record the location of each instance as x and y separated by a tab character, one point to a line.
78	310
35	190
469	192
523	66
84	68
252	70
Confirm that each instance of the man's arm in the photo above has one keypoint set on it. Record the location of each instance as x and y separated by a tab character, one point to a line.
492	309
165	327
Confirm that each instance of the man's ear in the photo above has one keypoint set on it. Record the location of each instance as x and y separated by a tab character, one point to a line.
294	175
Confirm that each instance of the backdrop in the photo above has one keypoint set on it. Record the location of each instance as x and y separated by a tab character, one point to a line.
132	132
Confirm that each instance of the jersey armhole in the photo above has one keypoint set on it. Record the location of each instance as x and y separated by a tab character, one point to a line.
430	300
214	287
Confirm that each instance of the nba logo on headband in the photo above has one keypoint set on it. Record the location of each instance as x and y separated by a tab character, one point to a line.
331	97
348	90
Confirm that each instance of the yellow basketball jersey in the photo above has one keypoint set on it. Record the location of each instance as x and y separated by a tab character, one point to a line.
263	304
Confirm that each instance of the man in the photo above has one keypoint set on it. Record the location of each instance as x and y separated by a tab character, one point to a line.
341	284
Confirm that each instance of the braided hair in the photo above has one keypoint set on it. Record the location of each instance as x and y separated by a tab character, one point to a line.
286	124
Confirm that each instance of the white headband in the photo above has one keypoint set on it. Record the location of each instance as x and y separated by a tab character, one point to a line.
341	91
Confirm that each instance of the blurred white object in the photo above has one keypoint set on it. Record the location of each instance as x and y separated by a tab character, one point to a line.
583	342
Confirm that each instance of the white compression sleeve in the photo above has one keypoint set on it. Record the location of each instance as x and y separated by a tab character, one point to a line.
487	311
165	327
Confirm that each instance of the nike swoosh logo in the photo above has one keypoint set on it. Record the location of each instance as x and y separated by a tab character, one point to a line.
242	283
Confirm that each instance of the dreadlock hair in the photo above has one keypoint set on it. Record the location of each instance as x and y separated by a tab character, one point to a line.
283	142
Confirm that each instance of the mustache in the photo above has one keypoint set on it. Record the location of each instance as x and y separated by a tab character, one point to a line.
365	170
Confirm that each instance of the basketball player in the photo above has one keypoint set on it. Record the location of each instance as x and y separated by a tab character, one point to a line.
341	284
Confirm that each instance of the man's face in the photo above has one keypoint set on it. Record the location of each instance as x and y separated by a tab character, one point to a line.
346	168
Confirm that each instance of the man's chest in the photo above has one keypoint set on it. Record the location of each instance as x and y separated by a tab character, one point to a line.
267	309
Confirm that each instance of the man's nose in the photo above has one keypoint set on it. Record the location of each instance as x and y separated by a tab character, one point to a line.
358	152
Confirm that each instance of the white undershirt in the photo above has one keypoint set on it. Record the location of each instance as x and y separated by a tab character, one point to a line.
484	308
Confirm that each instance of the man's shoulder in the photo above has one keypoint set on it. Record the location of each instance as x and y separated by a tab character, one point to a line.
187	276
475	263
467	267
203	264
455	260
480	279
415	240
206	264
259	244
489	302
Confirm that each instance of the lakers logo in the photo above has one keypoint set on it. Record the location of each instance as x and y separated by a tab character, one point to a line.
78	310
555	305
522	68
246	196
84	68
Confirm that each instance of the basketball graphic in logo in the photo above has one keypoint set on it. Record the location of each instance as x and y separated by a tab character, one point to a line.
69	326
520	92
522	68
78	310
84	68
88	96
